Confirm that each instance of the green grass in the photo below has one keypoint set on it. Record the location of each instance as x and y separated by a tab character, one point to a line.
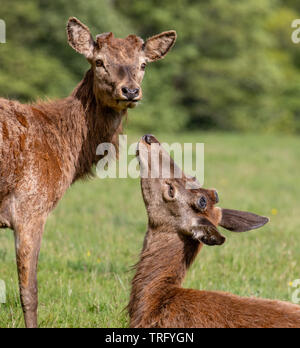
95	234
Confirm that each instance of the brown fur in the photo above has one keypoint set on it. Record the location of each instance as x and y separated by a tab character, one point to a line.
47	146
157	298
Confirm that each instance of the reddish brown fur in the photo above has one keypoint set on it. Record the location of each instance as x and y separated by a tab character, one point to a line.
45	147
157	298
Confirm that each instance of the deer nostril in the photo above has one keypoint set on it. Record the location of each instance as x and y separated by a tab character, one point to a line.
136	91
125	91
148	138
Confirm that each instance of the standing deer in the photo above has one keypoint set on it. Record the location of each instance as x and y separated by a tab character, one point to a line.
180	221
45	147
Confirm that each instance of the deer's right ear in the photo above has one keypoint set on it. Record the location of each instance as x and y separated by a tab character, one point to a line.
80	38
241	221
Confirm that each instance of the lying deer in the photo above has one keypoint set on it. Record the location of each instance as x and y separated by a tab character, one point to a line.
182	217
45	147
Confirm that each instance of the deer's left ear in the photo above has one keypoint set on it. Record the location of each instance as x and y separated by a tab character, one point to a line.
241	221
80	38
159	45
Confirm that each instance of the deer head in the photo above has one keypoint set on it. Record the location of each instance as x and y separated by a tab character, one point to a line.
188	211
118	64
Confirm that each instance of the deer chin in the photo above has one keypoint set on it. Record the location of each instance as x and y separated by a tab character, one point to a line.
208	235
124	104
133	104
118	103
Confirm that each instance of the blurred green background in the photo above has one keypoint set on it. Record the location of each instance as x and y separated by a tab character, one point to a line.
234	66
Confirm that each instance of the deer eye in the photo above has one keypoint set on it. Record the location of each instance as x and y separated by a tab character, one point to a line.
202	203
143	66
171	191
99	63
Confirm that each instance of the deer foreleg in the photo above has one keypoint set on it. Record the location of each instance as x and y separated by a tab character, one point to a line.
27	242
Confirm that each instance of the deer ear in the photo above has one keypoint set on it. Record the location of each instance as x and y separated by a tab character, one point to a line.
159	45
80	38
241	221
169	192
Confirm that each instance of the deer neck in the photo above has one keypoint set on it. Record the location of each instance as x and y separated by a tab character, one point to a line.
92	124
161	269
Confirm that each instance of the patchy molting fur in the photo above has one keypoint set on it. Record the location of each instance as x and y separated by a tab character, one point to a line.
157	298
47	146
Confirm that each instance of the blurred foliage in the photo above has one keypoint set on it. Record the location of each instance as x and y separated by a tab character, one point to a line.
234	66
37	61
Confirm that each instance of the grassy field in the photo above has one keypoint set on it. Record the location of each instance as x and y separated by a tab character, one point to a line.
95	234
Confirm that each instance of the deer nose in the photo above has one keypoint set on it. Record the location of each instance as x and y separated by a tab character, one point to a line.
149	139
129	93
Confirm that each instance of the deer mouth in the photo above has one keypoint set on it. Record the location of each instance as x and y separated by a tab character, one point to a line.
128	100
208	235
127	103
